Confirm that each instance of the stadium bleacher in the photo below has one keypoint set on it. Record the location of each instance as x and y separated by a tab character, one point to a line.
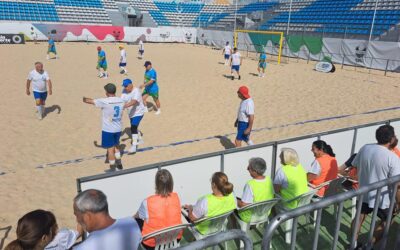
321	16
334	16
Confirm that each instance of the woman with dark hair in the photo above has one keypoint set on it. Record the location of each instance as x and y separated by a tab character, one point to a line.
161	210
38	230
324	168
219	202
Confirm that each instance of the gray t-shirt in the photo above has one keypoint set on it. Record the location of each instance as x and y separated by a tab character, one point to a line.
375	163
123	234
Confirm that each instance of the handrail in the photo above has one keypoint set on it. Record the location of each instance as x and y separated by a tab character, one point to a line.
220	238
280	218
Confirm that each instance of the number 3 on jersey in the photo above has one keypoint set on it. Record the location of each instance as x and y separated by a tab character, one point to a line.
116	111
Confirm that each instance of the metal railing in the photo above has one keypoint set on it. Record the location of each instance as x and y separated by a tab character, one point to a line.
392	184
220	238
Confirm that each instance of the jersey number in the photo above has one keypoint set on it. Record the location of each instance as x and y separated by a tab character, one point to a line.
116	111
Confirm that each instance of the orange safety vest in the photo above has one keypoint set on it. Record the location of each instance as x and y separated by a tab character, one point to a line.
163	212
329	171
396	151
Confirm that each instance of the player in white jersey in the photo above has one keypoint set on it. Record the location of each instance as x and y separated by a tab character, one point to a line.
122	60
227	51
141	49
112	108
245	117
132	97
236	62
40	80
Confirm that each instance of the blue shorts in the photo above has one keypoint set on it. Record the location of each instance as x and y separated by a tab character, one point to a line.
40	95
109	140
235	68
122	64
262	65
242	126
52	50
141	52
135	121
227	56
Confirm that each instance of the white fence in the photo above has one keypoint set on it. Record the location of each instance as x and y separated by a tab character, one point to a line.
126	189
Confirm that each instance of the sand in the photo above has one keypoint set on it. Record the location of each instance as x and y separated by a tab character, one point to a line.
197	102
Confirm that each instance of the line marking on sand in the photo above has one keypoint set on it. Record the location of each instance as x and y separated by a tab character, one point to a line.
96	157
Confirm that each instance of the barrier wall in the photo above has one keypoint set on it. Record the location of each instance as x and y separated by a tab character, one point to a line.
126	189
99	33
375	54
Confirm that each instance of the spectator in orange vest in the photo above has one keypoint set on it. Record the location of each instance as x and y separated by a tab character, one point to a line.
393	147
161	210
324	168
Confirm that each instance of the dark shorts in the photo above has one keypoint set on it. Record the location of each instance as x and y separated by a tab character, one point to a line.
262	65
109	140
40	95
227	56
236	68
135	121
382	213
141	52
242	126
122	64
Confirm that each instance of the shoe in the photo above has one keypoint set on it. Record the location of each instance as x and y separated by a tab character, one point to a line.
239	77
146	110
140	141
39	116
232	78
158	112
132	149
112	168
48	57
118	164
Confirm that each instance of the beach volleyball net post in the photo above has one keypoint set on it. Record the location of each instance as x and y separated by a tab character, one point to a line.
259	40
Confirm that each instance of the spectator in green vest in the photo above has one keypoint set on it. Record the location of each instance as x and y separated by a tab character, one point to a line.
220	201
258	189
291	179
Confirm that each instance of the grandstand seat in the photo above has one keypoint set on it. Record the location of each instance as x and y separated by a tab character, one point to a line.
166	238
302	200
216	224
259	212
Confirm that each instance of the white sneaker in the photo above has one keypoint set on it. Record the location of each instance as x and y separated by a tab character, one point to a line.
146	110
39	116
132	149
158	112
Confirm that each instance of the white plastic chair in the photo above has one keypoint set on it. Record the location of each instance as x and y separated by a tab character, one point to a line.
258	212
215	225
166	238
302	200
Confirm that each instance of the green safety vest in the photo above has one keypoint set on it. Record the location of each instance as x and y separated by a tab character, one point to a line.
262	191
216	206
297	184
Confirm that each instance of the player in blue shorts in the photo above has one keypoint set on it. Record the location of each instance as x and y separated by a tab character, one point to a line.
245	117
112	109
236	62
122	60
101	63
40	80
227	51
51	48
134	103
262	64
150	86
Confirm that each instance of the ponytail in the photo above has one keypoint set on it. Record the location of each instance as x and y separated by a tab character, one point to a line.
221	182
327	149
14	245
